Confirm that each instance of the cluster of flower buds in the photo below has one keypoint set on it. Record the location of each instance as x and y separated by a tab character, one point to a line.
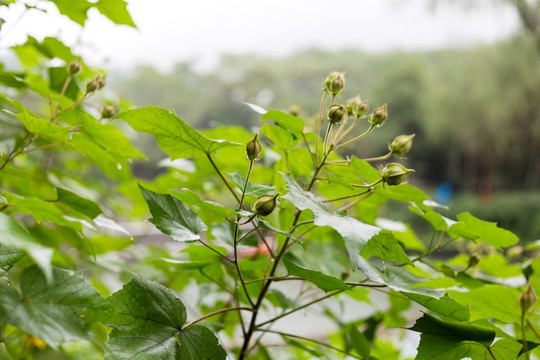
265	204
334	83
379	115
394	174
75	67
95	84
336	114
401	145
357	107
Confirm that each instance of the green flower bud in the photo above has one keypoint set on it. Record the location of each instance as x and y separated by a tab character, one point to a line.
75	67
95	84
401	144
527	299
108	112
265	204
334	83
379	116
336	114
357	107
254	149
394	173
474	259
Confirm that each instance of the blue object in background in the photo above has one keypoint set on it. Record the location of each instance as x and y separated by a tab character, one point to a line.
443	192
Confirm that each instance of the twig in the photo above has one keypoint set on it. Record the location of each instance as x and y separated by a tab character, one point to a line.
312	340
215	313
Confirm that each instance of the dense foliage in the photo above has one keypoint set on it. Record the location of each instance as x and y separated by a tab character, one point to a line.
257	229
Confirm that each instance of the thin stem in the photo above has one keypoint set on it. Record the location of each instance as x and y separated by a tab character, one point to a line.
348	196
367	185
216	313
319	121
42	147
491	353
326	137
223	178
275	278
338	137
533	329
64	88
214	250
384	157
357	200
301	307
309	150
75	104
525	345
216	282
306	231
312	340
305	222
246	183
356	138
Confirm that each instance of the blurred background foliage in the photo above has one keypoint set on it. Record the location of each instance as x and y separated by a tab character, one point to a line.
475	113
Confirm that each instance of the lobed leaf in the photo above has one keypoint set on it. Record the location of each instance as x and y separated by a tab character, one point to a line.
471	227
173	135
171	217
56	312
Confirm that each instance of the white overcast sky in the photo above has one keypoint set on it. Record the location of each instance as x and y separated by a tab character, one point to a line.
200	30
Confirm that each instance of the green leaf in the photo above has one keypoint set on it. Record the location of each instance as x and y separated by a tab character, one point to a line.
171	217
252	189
433	347
456	331
354	232
40	209
403	193
473	228
116	11
35	125
359	342
75	10
397	278
199	343
324	282
109	138
266	225
9	256
148	319
14	236
279	136
446	307
287	121
77	203
57	78
173	135
437	221
363	169
491	301
188	196
387	247
148	325
55	312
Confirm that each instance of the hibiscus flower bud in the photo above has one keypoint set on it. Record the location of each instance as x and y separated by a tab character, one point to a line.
265	204
357	107
401	144
336	114
334	83
254	148
394	173
379	116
